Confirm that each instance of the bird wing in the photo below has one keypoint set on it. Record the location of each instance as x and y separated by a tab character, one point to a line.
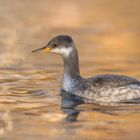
111	88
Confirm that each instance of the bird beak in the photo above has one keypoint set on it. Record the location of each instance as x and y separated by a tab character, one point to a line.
44	49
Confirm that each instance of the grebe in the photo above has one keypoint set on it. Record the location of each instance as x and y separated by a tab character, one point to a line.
106	88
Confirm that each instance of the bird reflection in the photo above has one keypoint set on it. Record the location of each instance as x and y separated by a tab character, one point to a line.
68	105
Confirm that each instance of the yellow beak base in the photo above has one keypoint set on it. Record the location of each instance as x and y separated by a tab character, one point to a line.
47	49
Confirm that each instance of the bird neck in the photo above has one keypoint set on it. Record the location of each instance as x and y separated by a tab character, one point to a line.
71	70
71	64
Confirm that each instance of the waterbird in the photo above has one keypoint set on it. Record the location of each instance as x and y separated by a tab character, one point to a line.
107	88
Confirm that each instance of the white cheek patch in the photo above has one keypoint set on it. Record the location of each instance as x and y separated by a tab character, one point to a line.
63	51
66	51
56	50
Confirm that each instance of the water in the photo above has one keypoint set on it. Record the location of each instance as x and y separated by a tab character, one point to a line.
107	37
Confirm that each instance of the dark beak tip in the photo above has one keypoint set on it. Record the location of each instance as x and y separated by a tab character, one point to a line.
38	50
33	51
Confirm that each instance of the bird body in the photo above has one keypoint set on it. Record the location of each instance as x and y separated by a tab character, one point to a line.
103	88
106	88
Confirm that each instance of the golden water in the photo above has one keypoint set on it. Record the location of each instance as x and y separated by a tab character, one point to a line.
107	37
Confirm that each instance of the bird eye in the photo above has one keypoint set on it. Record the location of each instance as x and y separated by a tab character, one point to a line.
54	45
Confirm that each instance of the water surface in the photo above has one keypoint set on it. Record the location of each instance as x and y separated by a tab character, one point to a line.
107	38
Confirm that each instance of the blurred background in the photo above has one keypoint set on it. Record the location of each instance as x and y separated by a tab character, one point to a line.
107	36
103	30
